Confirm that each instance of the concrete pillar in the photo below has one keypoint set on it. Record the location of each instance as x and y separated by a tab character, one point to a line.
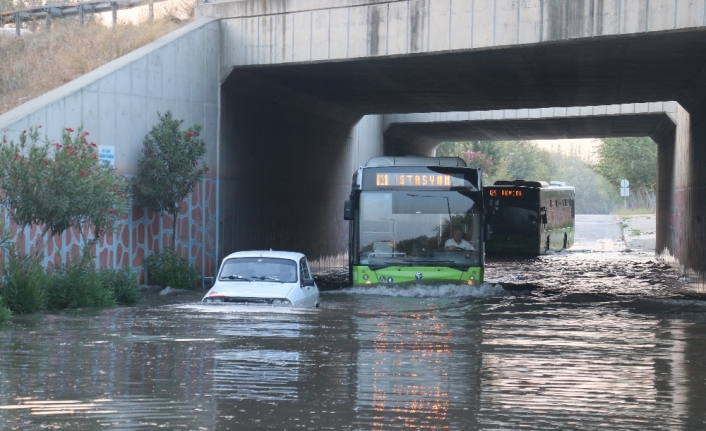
48	21
690	195
151	8
681	194
81	14
18	24
666	150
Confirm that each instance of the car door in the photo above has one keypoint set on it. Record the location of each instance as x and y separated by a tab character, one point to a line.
311	292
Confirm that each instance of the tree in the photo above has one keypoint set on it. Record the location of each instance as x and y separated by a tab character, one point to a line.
170	167
478	154
476	159
61	185
454	149
631	158
505	160
524	161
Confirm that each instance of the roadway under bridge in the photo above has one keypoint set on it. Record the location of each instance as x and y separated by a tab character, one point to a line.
297	93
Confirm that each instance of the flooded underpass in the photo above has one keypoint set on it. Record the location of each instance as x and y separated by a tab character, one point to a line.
593	338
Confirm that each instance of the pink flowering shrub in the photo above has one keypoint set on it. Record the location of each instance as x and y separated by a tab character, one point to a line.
59	185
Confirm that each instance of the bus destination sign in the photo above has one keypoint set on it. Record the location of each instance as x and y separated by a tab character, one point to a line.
505	193
414	180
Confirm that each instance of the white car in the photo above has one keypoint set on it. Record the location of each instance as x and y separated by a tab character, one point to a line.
279	278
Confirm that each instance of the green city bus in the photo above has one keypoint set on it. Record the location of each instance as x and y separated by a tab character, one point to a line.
529	217
416	219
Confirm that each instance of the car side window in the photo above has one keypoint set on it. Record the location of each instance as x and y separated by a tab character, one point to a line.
304	270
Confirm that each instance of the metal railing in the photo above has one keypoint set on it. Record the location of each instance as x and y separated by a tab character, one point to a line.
49	11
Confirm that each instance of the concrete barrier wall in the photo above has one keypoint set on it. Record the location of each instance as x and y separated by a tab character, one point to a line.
286	31
118	104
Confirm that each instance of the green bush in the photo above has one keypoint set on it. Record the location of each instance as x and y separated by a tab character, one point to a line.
78	284
123	283
167	268
24	282
5	312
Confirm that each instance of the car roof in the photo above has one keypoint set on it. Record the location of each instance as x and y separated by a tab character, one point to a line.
293	255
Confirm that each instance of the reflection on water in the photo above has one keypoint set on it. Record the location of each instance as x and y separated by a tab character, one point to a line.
593	367
416	365
258	375
368	360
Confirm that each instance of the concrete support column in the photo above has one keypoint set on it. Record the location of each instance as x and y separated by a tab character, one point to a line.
681	194
690	195
81	14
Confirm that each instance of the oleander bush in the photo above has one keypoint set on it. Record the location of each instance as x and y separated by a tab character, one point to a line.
170	167
167	268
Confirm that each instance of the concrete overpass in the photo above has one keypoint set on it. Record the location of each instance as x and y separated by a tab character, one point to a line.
282	86
423	132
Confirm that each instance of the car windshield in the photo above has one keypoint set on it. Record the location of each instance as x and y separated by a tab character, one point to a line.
419	228
259	269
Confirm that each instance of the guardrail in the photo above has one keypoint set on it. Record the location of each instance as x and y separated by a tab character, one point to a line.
48	11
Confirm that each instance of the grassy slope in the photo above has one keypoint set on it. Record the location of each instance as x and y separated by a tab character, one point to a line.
39	62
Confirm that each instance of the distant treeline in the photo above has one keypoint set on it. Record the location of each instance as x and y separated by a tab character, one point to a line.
597	185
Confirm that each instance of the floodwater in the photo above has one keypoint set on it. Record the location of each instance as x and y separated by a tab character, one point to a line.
593	338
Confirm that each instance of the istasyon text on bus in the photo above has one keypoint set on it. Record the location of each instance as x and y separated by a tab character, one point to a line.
417	180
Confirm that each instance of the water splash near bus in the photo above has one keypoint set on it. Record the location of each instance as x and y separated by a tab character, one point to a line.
485	290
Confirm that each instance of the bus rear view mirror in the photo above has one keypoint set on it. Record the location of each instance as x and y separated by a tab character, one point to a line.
488	232
347	210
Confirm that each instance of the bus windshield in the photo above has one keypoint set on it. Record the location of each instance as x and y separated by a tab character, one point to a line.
416	228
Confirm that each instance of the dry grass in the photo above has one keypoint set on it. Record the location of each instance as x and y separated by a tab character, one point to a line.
39	62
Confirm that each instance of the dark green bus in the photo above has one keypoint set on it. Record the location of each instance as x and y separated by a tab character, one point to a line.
529	217
415	219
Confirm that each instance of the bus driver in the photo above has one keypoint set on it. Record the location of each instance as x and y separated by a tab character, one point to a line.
457	242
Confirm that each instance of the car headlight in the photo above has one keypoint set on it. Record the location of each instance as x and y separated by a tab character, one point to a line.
286	302
276	302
